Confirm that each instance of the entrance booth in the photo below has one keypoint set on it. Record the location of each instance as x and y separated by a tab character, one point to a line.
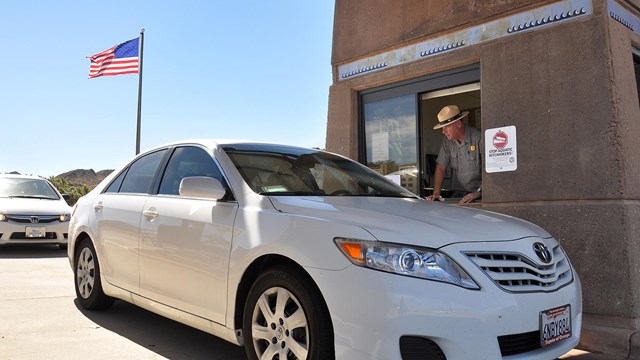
562	75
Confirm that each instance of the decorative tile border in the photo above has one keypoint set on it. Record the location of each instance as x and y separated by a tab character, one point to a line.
547	20
441	49
507	26
623	16
365	69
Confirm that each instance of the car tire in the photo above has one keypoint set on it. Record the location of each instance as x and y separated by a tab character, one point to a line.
87	278
285	317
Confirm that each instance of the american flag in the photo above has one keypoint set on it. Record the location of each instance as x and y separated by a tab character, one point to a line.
118	60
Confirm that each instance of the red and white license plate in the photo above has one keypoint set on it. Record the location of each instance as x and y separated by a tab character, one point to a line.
555	325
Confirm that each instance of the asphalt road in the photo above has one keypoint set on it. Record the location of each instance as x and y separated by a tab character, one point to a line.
40	319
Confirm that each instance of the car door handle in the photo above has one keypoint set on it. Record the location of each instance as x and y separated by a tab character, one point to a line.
150	214
98	206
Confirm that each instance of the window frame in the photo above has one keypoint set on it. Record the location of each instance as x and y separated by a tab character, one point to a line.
635	58
442	80
172	151
125	172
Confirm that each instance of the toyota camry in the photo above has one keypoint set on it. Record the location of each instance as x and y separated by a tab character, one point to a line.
298	253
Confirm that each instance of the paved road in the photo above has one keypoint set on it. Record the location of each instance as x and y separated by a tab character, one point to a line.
582	355
40	319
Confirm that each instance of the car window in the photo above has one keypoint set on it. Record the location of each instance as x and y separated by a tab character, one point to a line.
141	173
294	171
27	188
187	161
115	184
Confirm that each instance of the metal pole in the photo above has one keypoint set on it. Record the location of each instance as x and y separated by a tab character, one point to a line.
139	91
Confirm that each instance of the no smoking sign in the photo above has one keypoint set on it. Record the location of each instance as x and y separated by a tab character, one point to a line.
501	153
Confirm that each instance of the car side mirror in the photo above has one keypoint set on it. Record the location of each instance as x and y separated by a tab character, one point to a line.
66	197
202	187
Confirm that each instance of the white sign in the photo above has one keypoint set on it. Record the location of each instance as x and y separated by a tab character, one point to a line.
500	149
395	178
380	147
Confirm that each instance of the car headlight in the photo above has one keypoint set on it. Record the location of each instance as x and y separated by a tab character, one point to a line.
3	217
64	217
406	260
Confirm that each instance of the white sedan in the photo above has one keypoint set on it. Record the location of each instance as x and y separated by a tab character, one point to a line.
298	253
32	211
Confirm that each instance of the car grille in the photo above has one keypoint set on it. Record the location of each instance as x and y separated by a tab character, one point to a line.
516	272
419	348
519	343
42	219
23	236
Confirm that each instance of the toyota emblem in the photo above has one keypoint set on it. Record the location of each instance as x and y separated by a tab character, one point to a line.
35	219
543	252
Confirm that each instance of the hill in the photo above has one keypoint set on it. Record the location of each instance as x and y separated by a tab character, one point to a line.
85	177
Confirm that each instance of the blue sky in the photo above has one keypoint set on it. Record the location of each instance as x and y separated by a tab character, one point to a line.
257	70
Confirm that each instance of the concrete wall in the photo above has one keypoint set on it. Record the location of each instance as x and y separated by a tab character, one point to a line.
568	90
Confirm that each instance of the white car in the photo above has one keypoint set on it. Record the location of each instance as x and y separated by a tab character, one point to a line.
32	211
298	253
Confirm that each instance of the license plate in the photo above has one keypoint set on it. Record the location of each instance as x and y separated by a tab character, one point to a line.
555	325
35	231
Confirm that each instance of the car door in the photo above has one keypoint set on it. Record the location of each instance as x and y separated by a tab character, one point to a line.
116	220
185	242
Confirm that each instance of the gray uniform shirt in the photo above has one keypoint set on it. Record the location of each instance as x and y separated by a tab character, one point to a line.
465	158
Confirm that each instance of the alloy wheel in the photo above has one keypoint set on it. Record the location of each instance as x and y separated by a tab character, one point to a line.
85	274
279	326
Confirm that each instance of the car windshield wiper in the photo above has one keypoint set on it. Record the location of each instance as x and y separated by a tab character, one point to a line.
390	195
292	193
31	197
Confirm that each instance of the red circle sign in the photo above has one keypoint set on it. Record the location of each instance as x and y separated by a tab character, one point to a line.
500	140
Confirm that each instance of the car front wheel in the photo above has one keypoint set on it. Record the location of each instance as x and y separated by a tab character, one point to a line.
87	278
286	318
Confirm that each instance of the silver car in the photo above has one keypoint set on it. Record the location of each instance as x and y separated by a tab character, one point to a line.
32	211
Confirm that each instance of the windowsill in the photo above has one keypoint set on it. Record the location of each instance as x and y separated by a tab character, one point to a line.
456	201
453	200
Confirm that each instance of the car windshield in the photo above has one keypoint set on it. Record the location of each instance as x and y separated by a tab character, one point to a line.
280	170
27	188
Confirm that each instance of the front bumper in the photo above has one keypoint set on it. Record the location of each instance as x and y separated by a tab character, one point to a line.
372	310
15	233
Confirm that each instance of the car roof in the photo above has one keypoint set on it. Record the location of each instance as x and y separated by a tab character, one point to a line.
20	176
213	143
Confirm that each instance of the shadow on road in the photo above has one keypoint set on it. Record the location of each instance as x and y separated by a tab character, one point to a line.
31	251
162	336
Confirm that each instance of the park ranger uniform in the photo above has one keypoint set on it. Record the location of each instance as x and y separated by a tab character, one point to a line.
465	158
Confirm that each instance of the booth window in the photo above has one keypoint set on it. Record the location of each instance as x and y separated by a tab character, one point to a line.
396	124
390	138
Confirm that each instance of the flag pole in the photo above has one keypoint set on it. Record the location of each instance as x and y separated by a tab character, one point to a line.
139	92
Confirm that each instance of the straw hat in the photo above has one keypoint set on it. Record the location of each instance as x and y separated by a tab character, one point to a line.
448	115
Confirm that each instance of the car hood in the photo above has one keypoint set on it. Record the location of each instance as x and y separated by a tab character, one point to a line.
411	221
21	206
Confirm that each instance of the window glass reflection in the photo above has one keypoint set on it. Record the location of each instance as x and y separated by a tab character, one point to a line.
390	130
